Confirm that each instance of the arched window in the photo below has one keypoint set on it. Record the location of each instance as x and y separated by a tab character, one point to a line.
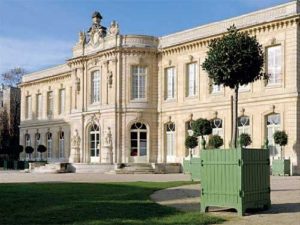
138	139
49	145
27	140
273	124
95	86
243	125
217	127
61	146
170	136
94	143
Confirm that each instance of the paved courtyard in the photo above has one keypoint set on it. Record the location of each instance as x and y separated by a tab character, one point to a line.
285	197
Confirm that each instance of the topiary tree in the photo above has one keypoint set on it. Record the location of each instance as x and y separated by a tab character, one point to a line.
191	142
29	150
201	127
41	149
281	138
215	141
245	140
235	59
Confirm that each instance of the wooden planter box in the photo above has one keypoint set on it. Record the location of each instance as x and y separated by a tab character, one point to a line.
235	178
192	166
281	167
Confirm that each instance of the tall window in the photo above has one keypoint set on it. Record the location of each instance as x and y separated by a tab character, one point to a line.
217	127
170	83
37	143
49	145
62	101
138	82
273	124
27	140
94	142
61	144
95	78
138	140
28	111
274	64
243	125
170	133
50	104
39	106
191	79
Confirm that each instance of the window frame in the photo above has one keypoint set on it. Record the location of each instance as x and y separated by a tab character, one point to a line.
166	84
278	81
138	98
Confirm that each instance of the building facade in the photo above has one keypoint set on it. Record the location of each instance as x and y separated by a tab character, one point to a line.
131	98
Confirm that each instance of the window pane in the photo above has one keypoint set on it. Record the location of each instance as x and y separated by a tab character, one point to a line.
95	78
274	64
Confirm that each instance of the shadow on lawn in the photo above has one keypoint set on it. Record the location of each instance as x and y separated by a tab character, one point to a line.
80	204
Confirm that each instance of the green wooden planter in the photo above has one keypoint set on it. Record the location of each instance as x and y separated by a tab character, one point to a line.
281	167
193	167
5	164
235	178
15	165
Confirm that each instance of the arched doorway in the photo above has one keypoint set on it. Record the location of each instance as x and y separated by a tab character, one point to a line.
170	142
94	143
273	124
138	143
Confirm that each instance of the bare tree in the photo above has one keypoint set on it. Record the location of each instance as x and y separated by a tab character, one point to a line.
13	76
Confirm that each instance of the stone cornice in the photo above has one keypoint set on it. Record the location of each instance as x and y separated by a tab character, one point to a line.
252	30
49	79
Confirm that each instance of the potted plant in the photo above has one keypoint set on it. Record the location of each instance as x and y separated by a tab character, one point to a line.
192	165
215	142
245	140
281	166
41	149
29	150
200	128
234	60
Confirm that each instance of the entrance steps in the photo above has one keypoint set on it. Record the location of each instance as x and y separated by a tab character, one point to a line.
134	168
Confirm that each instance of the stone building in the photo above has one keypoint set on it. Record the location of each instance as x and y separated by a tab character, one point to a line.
9	118
131	98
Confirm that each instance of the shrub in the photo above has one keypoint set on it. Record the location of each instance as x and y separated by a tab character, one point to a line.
41	149
20	148
29	149
280	138
245	140
215	141
201	127
191	142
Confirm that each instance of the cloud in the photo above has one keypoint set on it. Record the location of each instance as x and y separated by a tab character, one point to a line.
32	55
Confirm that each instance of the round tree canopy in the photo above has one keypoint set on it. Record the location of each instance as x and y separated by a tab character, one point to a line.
235	59
201	127
191	142
280	138
29	149
215	141
245	139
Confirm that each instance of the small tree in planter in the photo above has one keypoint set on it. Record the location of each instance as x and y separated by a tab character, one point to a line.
41	149
245	140
281	138
191	142
215	141
202	127
234	60
281	166
29	150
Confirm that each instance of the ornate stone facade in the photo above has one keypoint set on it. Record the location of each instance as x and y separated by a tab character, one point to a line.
119	83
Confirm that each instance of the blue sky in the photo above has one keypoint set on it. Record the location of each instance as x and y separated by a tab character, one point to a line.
36	34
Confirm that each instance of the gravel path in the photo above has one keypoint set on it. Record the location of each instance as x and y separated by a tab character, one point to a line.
21	177
285	197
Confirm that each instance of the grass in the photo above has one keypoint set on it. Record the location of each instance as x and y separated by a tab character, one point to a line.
91	204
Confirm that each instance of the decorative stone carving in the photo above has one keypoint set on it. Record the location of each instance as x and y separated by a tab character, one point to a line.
108	137
75	148
110	79
96	31
106	150
82	38
76	139
114	28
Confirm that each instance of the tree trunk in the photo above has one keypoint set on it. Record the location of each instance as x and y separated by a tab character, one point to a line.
235	117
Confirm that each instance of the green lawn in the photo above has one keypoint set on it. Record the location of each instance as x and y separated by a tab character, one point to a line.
90	204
